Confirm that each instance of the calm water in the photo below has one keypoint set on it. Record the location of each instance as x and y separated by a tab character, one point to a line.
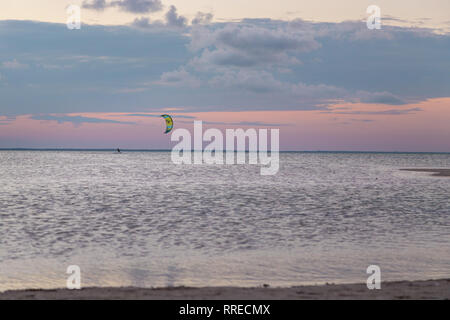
137	219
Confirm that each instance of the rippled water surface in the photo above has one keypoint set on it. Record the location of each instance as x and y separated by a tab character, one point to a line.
136	219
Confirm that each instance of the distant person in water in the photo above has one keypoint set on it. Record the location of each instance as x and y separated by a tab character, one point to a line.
118	150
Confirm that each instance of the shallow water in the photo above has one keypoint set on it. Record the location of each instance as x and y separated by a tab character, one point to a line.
137	219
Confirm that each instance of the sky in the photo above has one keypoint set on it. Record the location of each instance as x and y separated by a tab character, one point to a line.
312	69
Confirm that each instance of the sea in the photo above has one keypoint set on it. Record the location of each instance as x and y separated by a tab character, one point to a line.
137	219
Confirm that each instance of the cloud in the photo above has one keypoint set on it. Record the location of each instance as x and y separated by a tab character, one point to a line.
246	46
255	39
96	4
178	78
142	23
172	21
75	119
139	6
381	98
202	18
258	64
244	123
133	6
392	112
5	120
259	82
263	82
14	64
362	120
225	57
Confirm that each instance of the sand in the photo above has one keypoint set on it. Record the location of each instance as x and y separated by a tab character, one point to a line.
429	289
436	172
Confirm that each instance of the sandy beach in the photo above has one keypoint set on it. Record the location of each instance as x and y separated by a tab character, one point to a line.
435	172
429	289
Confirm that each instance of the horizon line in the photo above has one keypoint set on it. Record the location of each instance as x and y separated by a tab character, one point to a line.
247	151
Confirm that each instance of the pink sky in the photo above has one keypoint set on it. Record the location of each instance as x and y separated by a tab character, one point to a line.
340	128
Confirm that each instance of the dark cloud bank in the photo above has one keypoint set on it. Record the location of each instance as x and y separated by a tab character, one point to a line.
257	64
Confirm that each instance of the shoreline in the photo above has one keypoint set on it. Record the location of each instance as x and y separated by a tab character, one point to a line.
395	290
435	172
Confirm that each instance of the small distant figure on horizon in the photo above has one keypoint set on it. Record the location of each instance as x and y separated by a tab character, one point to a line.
118	150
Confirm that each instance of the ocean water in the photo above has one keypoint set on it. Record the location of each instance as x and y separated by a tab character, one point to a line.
136	219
